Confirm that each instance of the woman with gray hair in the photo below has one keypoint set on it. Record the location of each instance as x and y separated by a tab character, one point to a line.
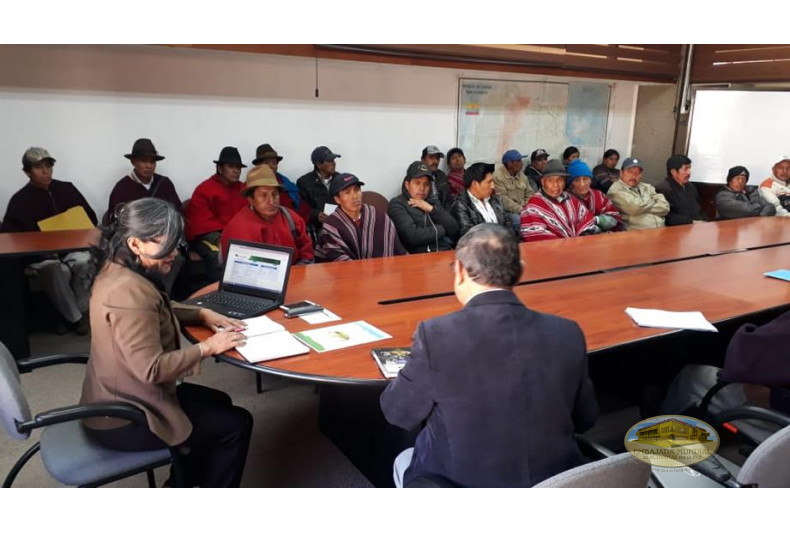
137	357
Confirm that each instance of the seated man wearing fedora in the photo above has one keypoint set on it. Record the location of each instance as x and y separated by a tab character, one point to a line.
292	198
265	220
213	204
355	230
142	181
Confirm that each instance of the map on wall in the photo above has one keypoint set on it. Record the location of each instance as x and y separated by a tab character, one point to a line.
495	116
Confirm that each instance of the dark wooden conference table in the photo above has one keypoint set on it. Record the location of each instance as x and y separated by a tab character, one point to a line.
716	268
16	251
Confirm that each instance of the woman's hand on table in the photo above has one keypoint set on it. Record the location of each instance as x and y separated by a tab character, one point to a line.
217	322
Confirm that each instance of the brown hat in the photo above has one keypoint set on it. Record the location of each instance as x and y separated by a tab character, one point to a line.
260	176
265	151
144	148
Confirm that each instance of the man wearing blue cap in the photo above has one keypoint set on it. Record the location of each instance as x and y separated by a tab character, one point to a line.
314	186
512	186
578	183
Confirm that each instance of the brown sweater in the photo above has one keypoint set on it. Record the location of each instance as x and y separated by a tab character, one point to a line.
136	354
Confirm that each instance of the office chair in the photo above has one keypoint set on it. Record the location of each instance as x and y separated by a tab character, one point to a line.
376	200
68	453
618	471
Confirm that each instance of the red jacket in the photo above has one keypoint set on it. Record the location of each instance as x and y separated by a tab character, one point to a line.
212	206
248	226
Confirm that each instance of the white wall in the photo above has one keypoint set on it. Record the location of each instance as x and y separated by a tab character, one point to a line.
87	105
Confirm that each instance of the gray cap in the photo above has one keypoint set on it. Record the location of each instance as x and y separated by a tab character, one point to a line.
35	155
554	167
632	162
418	169
432	150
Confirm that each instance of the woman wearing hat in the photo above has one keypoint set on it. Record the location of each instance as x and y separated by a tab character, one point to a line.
578	183
265	220
735	201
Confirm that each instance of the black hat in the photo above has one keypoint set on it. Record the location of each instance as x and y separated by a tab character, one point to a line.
418	169
230	156
343	181
265	151
321	154
144	148
737	171
452	151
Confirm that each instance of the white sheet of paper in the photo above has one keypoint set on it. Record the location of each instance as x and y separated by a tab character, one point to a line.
320	317
271	346
656	318
329	209
261	325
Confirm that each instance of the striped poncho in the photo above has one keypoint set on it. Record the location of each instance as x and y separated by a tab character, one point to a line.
546	218
599	204
341	239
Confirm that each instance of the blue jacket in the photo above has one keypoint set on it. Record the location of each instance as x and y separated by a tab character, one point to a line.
501	390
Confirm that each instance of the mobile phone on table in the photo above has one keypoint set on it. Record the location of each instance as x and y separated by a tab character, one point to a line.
300	308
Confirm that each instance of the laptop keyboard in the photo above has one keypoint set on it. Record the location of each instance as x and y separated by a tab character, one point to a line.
229	300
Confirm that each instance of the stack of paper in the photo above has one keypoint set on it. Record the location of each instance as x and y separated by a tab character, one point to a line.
266	339
341	336
656	318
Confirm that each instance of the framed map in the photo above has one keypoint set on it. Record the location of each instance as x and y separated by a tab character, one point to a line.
498	115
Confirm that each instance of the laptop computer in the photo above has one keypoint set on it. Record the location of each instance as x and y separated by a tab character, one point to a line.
253	282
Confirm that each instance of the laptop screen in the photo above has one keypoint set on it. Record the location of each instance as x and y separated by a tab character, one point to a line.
256	268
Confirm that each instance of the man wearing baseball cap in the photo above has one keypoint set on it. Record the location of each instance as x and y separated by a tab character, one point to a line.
423	224
265	220
775	189
552	213
65	279
641	206
440	187
315	185
537	161
355	230
512	186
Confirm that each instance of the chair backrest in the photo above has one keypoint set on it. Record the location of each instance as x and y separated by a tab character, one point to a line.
767	466
13	404
376	200
619	471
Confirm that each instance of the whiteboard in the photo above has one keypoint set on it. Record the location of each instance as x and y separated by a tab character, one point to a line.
730	128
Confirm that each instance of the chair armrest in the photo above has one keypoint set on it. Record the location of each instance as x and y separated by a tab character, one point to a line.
121	410
31	363
752	412
592	450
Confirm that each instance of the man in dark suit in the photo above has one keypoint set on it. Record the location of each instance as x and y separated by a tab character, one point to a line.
501	388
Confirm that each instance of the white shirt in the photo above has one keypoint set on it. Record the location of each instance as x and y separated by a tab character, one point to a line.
137	180
484	207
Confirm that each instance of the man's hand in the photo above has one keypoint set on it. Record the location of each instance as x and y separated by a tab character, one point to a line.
322	217
422	205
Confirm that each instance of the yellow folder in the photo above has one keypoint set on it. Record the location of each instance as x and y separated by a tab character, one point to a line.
74	218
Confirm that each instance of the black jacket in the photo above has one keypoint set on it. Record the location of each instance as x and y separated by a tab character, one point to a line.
313	190
440	189
684	207
419	231
501	389
31	204
468	216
